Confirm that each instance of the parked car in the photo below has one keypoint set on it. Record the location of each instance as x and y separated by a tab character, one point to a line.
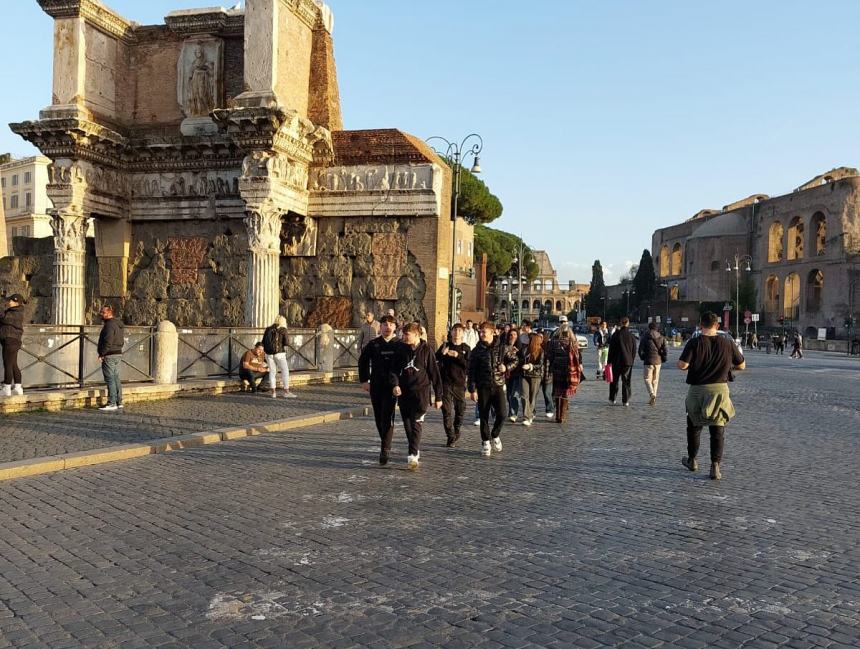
582	341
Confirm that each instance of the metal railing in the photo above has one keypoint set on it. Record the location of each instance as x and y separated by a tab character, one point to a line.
347	347
62	356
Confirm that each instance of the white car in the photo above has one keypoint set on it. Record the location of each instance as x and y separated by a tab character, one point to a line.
582	341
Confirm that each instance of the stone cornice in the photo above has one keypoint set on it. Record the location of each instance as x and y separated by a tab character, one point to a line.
94	13
73	137
272	129
306	10
217	20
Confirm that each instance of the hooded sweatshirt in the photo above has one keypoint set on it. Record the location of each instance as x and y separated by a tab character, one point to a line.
414	370
652	348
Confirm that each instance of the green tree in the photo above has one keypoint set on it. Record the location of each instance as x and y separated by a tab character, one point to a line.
501	249
645	280
477	204
597	290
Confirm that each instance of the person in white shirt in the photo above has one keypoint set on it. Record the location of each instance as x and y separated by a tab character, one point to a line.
470	334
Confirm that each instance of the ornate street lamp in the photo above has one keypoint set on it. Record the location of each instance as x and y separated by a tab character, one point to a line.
738	259
457	153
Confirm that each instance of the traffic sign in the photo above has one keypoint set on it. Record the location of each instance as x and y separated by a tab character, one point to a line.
755	317
747	318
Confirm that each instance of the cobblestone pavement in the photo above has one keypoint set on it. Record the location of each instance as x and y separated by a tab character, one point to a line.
591	536
38	434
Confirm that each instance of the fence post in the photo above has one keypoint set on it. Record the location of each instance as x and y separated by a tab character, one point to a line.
325	348
166	353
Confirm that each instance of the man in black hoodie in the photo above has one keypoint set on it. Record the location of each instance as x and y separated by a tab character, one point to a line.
413	372
111	342
11	333
453	359
489	361
652	351
374	367
622	354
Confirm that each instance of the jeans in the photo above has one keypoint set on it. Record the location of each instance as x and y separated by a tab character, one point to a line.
530	388
717	440
546	389
253	378
11	372
514	395
453	407
276	362
492	398
110	370
652	379
623	374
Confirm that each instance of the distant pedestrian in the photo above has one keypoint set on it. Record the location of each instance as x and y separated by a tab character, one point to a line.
275	343
110	346
565	362
533	364
11	335
778	344
453	361
622	354
374	367
797	345
653	352
513	383
601	342
525	333
369	330
253	368
413	373
754	341
470	334
709	360
488	364
546	380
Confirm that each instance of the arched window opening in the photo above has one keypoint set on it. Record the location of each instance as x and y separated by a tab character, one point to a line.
676	259
775	247
814	290
715	265
548	285
795	239
771	295
525	305
664	261
558	306
504	304
536	305
548	306
674	293
818	233
791	297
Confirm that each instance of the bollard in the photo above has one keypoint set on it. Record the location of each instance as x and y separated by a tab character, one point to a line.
166	353
325	348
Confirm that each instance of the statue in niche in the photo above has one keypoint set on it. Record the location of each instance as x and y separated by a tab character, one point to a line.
201	85
298	236
199	77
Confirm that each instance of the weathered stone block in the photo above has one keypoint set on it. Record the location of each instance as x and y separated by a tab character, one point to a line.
113	272
355	244
384	288
186	258
333	311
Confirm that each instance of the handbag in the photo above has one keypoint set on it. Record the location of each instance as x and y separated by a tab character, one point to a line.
607	373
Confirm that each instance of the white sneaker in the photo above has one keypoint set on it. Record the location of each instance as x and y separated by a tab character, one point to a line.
275	393
513	419
497	444
7	390
421	418
550	415
290	395
119	406
108	408
412	462
17	390
477	422
486	449
527	422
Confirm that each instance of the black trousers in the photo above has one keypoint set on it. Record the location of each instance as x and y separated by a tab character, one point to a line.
546	389
11	372
494	398
383	403
453	407
625	375
718	435
253	378
411	411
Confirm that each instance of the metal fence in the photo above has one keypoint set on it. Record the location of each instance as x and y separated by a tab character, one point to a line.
347	347
62	356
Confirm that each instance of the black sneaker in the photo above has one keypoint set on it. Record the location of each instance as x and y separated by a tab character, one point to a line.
383	458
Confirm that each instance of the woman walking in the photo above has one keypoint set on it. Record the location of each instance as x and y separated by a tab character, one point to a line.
565	363
532	365
11	333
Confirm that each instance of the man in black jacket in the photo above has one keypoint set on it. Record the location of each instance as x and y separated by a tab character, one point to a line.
489	361
652	351
11	333
374	366
111	342
622	353
413	372
453	359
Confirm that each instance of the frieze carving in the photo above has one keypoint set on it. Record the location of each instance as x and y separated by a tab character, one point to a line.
263	225
299	236
265	164
186	258
70	230
373	178
186	184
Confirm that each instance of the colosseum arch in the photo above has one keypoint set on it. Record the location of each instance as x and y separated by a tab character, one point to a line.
814	290
791	297
525	305
536	305
547	306
676	259
794	240
664	261
558	305
775	244
818	234
771	295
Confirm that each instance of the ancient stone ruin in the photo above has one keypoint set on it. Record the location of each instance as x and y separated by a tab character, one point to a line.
210	157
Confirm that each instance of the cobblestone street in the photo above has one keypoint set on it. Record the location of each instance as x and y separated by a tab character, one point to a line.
588	536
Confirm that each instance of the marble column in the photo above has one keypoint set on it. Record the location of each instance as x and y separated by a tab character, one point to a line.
69	299
262	300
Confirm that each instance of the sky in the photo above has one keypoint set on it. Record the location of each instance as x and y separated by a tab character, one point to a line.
601	120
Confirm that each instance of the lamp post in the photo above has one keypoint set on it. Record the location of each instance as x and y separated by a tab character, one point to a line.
457	153
738	259
627	293
518	262
603	299
667	286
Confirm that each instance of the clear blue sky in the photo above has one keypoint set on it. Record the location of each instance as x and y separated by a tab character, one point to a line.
602	120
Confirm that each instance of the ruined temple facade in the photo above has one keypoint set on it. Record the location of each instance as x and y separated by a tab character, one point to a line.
804	250
209	154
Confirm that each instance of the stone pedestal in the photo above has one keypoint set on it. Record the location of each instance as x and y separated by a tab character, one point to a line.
69	300
166	353
325	348
264	235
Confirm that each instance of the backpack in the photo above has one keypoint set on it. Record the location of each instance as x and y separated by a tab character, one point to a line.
272	340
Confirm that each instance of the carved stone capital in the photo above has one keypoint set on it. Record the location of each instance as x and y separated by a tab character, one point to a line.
263	225
70	229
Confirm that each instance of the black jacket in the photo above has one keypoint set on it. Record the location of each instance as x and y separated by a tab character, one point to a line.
652	348
486	361
374	364
111	338
414	371
12	324
538	364
622	348
601	338
454	370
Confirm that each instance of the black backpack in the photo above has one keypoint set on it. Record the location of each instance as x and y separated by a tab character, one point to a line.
272	340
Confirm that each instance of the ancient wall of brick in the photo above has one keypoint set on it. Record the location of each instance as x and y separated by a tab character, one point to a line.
154	61
234	67
324	96
294	61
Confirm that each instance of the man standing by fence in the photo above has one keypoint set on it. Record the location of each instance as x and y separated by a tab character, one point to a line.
111	342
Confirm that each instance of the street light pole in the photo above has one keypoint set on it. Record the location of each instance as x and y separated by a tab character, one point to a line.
737	268
666	323
457	153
